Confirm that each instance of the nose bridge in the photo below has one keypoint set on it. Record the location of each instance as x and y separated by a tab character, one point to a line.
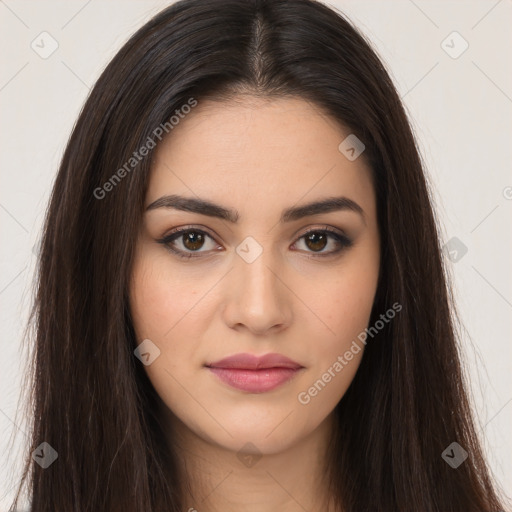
258	297
255	266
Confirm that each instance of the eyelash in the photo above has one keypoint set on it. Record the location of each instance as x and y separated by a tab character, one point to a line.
342	240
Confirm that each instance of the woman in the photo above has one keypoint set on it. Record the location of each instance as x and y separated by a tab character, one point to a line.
241	301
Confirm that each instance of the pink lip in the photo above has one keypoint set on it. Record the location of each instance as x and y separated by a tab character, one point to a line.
255	374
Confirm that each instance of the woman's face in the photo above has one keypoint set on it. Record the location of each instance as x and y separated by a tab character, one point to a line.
254	282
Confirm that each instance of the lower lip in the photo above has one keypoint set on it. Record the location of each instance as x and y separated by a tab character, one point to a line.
254	381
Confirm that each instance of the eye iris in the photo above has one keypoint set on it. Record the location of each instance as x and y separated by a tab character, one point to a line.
195	239
316	239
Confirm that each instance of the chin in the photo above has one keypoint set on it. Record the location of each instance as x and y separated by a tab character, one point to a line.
265	435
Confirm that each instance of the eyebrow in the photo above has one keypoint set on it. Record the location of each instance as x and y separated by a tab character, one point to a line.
204	207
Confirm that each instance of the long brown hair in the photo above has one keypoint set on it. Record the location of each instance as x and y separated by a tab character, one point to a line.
90	398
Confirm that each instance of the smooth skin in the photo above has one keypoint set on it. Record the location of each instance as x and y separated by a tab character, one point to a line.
307	300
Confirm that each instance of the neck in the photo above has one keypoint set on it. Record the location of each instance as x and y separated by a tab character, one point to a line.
217	479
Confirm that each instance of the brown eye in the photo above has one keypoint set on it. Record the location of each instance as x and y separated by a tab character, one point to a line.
185	242
193	240
316	241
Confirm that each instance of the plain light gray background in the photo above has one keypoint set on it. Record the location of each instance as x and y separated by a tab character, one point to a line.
460	105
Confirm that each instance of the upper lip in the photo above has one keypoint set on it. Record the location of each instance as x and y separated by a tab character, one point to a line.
253	362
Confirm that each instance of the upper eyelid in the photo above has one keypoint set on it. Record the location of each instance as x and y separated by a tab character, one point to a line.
186	229
329	229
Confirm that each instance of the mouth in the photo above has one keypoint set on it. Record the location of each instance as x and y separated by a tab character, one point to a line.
255	374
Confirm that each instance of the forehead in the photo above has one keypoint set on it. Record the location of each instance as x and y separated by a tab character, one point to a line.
254	151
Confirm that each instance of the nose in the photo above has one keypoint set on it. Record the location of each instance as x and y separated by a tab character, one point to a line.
259	299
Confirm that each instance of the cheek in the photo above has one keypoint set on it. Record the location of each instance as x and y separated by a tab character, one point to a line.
342	299
336	355
167	310
348	303
162	300
343	305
